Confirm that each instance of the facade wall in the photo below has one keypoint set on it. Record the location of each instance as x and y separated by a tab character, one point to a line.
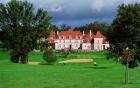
101	46
98	40
62	43
68	43
86	46
98	43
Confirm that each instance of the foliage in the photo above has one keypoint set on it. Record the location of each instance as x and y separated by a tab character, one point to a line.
21	27
127	57
64	27
49	56
65	52
94	27
124	32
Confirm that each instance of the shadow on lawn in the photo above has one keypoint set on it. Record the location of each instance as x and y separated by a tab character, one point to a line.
46	64
99	67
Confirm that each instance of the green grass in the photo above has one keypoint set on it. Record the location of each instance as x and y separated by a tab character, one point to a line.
108	74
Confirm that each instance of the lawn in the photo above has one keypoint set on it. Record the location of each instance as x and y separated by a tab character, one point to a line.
108	74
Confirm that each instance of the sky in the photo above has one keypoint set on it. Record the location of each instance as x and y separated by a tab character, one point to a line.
79	12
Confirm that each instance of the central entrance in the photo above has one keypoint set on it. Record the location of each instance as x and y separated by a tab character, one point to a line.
70	46
92	44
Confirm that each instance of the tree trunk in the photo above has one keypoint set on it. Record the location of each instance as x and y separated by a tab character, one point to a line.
126	72
19	58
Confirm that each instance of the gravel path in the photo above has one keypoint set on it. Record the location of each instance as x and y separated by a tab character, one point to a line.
76	60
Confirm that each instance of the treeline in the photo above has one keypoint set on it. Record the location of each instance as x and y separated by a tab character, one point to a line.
93	26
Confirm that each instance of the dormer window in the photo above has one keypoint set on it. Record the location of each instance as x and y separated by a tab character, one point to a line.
70	37
59	37
76	37
64	37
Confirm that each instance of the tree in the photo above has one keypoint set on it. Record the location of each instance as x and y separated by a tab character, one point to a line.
22	27
124	33
125	27
1	38
102	26
64	27
128	56
94	27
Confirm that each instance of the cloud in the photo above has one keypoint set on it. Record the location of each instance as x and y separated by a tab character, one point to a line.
79	12
99	5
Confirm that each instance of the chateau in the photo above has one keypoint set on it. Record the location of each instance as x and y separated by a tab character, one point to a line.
77	40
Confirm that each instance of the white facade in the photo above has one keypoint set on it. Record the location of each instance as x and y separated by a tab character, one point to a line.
86	46
100	43
77	40
67	43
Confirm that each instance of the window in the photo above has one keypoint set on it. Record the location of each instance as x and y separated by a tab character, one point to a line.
76	45
98	41
59	37
76	37
104	47
81	41
70	37
64	37
59	46
76	41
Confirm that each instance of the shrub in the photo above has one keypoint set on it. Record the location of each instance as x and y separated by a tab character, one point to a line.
18	57
109	55
65	52
49	56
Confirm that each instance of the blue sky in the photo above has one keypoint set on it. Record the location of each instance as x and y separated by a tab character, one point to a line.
79	12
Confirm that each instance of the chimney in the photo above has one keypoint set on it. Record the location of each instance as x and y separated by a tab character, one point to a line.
57	33
90	33
83	33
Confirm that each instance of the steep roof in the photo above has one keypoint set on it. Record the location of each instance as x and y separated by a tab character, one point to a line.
87	36
99	35
71	33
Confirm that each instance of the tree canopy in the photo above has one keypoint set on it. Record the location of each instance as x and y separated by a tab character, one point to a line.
21	27
94	27
125	29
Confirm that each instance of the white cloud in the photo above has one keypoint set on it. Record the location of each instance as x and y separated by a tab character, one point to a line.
55	9
97	5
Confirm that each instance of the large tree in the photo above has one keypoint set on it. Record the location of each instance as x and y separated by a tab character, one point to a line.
125	34
21	26
94	27
125	29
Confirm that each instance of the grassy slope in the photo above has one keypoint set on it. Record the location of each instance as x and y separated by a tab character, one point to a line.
108	74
